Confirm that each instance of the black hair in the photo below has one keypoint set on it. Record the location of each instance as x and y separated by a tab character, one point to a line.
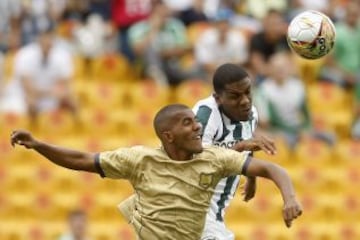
161	120
226	74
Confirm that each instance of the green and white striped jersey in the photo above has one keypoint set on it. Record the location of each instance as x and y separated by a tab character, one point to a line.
219	130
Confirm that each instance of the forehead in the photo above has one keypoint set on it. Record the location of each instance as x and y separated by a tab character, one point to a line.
239	86
182	114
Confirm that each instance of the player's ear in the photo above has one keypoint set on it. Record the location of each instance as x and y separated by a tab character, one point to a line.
168	137
217	98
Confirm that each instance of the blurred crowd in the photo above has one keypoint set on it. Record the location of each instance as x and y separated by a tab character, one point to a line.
172	41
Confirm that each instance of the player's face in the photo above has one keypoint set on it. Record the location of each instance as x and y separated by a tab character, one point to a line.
46	41
187	132
78	225
275	26
235	100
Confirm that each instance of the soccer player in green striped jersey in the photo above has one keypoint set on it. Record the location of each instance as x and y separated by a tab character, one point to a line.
229	120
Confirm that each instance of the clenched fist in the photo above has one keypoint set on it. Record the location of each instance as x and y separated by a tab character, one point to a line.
22	137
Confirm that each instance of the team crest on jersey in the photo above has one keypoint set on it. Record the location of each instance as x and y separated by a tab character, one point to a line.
206	180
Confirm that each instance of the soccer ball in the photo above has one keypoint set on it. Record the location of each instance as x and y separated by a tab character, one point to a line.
311	34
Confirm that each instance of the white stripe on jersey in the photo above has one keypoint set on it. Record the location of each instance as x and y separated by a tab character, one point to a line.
219	130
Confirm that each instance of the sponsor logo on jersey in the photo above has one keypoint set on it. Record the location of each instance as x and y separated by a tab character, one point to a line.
227	144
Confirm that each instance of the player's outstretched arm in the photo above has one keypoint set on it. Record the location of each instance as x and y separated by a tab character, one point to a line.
61	156
254	144
292	209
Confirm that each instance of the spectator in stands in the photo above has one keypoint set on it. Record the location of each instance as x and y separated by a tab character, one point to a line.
76	10
2	81
283	108
188	11
220	44
124	14
38	15
343	65
259	8
77	226
10	12
267	42
159	43
42	78
101	7
92	38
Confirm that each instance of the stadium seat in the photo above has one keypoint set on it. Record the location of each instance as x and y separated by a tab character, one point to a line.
308	69
13	231
329	108
283	155
122	124
347	231
57	122
81	73
6	150
349	202
107	95
112	67
66	181
326	97
10	121
320	207
348	153
26	178
347	161
309	176
147	95
303	233
8	66
261	208
103	121
312	152
190	91
19	206
31	230
104	231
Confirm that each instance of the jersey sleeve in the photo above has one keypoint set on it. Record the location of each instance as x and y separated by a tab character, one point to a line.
232	162
117	164
206	117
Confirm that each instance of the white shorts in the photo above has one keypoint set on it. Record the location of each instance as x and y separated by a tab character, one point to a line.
216	230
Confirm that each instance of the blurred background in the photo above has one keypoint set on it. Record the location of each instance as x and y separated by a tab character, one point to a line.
90	74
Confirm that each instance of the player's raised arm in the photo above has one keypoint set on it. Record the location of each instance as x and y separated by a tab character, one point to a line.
255	167
67	158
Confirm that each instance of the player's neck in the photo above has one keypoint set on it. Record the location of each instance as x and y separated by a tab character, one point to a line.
177	155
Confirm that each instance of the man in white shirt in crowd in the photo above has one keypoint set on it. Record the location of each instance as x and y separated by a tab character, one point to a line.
220	44
42	78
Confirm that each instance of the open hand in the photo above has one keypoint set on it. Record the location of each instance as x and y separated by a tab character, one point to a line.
22	137
260	143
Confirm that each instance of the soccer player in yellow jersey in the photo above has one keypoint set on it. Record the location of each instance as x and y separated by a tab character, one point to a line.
173	184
